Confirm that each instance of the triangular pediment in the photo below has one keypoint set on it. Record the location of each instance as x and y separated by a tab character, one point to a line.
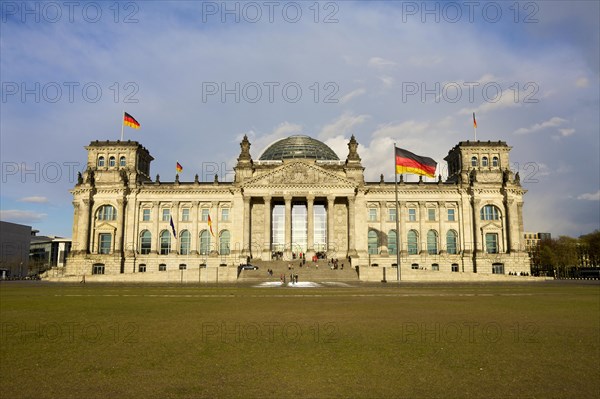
299	174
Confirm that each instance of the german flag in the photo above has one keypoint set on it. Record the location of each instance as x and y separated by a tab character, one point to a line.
474	121
130	121
210	225
407	162
178	167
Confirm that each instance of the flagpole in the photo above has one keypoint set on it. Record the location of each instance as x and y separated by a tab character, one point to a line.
122	124
398	274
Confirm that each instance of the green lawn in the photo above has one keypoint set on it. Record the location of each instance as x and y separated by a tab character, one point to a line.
529	340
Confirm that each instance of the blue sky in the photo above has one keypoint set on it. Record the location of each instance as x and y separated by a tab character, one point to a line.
406	72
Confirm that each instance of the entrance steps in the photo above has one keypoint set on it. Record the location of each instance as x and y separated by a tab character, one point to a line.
308	272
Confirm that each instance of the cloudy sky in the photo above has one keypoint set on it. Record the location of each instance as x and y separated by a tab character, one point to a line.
198	76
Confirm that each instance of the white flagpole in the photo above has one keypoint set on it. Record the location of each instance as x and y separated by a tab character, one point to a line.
122	124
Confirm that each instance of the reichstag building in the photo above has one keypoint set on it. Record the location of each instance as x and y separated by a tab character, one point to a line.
298	199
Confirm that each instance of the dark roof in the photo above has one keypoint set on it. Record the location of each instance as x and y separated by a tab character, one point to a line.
298	147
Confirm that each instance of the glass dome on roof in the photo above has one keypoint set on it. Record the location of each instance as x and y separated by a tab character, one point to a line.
298	147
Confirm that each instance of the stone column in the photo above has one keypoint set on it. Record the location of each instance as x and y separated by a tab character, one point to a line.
310	225
330	220
442	214
288	226
86	220
246	228
267	229
214	219
175	216
383	231
156	225
195	242
120	225
351	226
477	244
422	231
403	233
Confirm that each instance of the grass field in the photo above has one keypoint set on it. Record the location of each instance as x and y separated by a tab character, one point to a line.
530	340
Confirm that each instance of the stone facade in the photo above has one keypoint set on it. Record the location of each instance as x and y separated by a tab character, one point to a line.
471	223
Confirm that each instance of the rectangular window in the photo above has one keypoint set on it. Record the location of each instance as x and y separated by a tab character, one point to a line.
455	267
142	268
104	243
98	269
412	215
204	215
145	215
392	214
372	215
498	268
431	214
451	215
414	266
166	215
162	267
491	243
225	214
435	267
185	214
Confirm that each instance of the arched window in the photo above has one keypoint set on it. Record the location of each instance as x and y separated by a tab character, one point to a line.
100	161
165	242
413	242
495	162
122	161
107	212
372	242
432	247
204	242
490	212
484	161
392	242
473	161
184	243
146	242
111	161
224	240
451	242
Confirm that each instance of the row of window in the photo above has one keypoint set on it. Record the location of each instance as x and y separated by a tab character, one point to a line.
412	215
488	212
108	212
185	239
497	268
485	161
374	243
112	161
99	268
412	238
185	214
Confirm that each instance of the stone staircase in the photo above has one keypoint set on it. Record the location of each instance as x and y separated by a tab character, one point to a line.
308	272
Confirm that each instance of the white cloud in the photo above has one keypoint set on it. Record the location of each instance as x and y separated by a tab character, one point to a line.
566	132
378	62
260	143
582	82
19	216
553	122
590	196
409	128
342	125
387	81
35	199
351	95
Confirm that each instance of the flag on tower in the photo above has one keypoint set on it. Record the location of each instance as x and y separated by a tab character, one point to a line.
474	121
407	162
130	121
178	167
